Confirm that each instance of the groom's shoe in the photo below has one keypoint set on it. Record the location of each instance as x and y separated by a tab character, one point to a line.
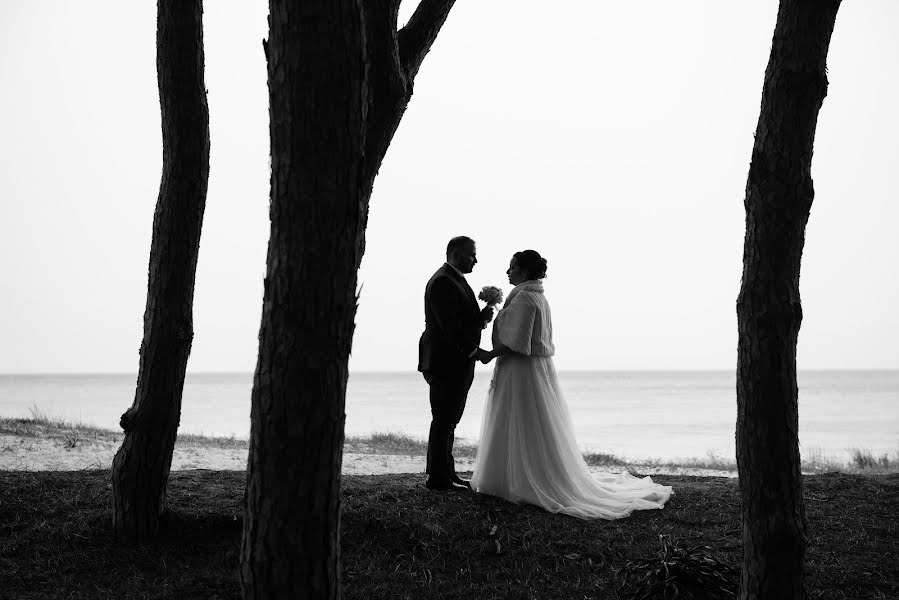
463	482
445	487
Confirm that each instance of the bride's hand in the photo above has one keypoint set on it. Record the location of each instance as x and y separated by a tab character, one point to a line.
486	315
486	357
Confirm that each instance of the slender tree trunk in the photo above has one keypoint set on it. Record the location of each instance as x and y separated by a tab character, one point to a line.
339	80
141	467
779	195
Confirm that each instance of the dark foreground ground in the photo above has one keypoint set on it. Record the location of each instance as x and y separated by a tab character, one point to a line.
402	541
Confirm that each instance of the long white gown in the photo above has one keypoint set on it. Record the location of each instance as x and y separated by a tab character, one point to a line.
527	451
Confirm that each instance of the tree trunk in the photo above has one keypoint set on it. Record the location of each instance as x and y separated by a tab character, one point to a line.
316	78
141	466
336	96
779	195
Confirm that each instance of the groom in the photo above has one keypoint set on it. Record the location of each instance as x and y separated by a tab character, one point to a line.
447	353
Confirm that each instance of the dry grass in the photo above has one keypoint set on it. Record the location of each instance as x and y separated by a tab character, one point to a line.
865	460
40	425
400	443
402	541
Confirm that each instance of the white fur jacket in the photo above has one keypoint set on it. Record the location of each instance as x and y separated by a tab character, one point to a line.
524	324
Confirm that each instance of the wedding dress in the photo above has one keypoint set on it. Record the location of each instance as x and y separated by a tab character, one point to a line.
527	451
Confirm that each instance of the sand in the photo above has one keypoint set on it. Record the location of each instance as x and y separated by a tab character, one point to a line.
49	448
72	452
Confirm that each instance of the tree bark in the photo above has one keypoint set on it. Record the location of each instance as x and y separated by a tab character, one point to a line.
141	466
779	195
338	86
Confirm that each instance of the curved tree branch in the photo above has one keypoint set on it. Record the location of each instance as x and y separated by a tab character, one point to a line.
394	58
417	37
385	71
388	92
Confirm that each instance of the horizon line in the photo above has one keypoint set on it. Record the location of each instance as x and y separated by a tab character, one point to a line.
410	371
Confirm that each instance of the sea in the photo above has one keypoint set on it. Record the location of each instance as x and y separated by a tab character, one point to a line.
636	415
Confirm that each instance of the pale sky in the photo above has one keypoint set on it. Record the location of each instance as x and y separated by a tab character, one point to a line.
612	137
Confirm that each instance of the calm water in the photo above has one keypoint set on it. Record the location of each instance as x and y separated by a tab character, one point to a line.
632	414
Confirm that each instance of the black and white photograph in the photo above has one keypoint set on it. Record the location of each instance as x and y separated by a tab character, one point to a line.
429	299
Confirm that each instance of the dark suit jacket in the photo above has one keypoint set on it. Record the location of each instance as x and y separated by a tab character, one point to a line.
453	323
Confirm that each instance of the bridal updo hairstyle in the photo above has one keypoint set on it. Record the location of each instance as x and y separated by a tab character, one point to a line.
532	262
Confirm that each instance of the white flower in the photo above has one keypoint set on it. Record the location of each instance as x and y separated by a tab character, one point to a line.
491	295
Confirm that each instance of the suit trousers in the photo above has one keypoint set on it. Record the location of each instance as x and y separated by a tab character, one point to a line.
448	393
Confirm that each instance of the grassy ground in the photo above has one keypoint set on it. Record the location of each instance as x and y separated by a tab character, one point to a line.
402	541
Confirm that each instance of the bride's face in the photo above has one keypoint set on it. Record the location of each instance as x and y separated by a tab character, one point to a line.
516	275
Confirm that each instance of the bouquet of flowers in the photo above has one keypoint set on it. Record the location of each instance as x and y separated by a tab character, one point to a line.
491	295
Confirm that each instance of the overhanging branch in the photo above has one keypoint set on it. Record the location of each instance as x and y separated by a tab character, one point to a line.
387	86
417	37
394	59
386	75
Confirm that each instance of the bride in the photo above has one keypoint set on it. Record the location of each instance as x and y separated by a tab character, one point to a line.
527	452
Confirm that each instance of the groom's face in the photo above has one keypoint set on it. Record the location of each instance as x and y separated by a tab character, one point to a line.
466	258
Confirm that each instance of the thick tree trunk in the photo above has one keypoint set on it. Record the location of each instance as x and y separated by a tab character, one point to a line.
779	195
141	466
317	104
339	80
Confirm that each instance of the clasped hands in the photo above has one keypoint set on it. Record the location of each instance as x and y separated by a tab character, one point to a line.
485	356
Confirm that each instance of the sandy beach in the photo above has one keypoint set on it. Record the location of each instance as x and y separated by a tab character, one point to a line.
35	446
57	450
37	454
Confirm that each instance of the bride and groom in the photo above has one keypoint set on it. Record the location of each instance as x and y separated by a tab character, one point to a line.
527	451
